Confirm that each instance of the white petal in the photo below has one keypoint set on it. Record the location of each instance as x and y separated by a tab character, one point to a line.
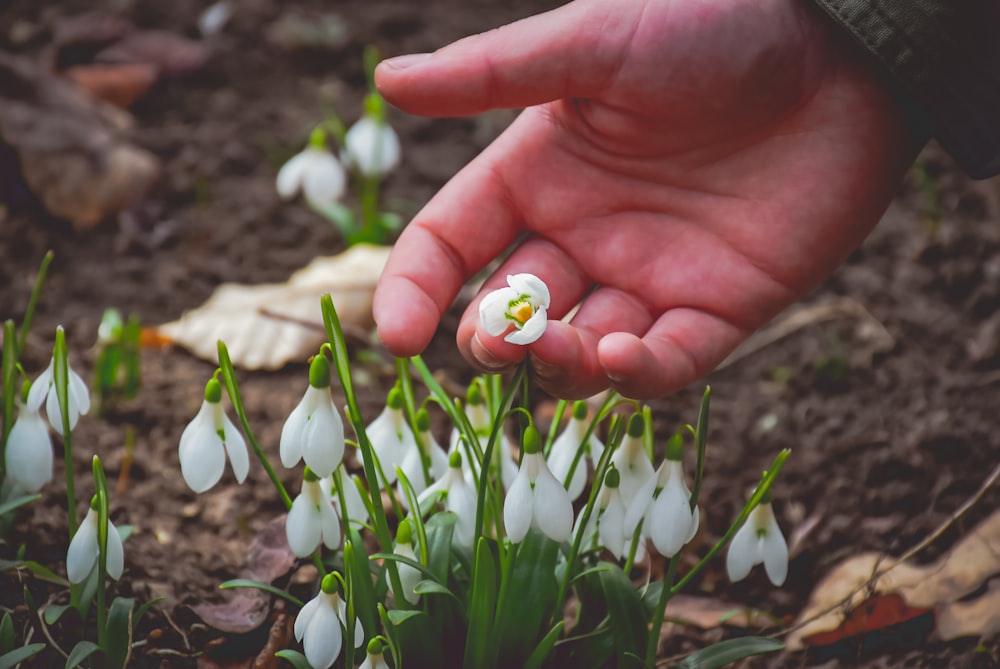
323	637
291	173
302	526
357	512
203	458
742	555
324	181
553	508
329	524
531	331
561	459
40	388
372	146
669	519
82	551
54	412
641	499
493	310
532	286
290	445
634	466
359	632
612	526
79	394
517	508
116	553
462	501
773	551
28	457
236	448
323	440
695	522
408	576
305	615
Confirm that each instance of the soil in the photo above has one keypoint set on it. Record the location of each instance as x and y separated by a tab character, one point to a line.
890	416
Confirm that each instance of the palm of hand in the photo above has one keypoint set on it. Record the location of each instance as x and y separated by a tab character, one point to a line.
683	204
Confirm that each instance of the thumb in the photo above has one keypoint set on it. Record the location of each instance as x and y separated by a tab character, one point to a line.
572	51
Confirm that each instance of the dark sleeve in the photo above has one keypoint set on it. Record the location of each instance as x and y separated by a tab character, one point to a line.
943	58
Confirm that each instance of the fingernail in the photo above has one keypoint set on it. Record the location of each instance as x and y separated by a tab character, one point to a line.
403	62
484	357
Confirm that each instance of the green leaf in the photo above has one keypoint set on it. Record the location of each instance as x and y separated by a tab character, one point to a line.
15	657
54	612
399	616
362	587
482	608
410	562
440	531
18	502
38	570
266	587
625	613
544	647
295	658
730	650
81	652
144	609
525	609
119	636
6	634
428	587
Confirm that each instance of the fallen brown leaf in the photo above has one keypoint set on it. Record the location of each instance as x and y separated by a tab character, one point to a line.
120	85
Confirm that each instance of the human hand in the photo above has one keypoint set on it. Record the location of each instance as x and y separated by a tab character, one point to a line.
685	170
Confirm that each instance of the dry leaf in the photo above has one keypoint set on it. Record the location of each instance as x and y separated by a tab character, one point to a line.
709	613
854	582
979	617
120	85
266	326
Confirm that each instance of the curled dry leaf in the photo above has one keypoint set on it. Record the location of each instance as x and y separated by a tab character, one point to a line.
265	326
859	580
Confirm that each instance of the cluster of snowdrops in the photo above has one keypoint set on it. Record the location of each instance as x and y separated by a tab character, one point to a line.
475	545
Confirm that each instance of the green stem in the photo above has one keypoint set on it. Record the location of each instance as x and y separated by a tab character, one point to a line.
36	292
410	405
9	381
233	390
101	486
653	641
369	209
60	378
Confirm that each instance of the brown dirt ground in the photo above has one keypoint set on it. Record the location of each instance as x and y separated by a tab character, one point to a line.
889	436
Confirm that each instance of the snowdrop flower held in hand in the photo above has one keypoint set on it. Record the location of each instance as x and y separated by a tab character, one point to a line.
311	519
408	576
83	549
566	446
28	458
316	172
759	540
321	623
522	304
314	430
536	498
663	505
458	497
390	436
206	441
43	391
371	145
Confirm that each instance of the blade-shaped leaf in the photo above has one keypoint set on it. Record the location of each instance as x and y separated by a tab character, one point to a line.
19	655
730	650
18	502
81	652
482	608
625	614
6	634
527	600
294	658
119	637
544	647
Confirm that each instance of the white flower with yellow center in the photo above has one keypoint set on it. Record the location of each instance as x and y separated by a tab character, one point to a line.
759	541
84	548
321	623
314	431
522	304
536	498
207	440
312	519
565	448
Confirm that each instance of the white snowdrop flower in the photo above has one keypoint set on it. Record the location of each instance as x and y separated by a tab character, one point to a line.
371	145
316	172
28	458
83	549
523	304
663	505
408	576
479	417
375	655
759	540
206	441
357	512
390	436
458	497
607	520
314	431
632	461
312	519
43	391
536	498
413	466
321	623
565	448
